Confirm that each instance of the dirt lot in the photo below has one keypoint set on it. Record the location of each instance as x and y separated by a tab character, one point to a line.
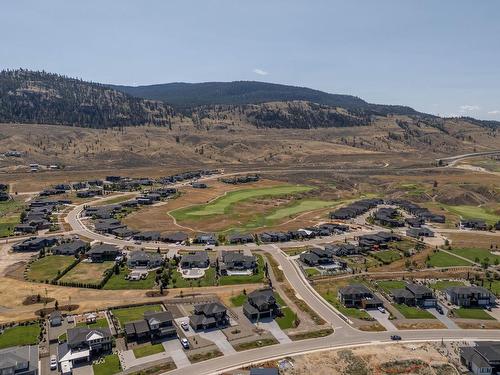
471	239
385	359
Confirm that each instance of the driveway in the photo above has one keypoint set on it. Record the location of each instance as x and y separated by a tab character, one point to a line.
174	349
276	331
219	339
382	319
450	324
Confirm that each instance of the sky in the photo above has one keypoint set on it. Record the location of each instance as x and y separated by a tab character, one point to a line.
437	56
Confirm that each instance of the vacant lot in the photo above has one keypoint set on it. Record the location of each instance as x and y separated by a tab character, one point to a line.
410	312
48	268
87	273
10	216
20	335
130	314
442	259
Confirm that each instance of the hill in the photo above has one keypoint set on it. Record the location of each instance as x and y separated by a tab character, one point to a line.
40	97
186	95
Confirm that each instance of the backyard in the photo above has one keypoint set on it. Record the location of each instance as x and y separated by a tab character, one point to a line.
177	281
388	285
109	365
243	279
48	267
19	336
443	284
387	256
118	282
130	314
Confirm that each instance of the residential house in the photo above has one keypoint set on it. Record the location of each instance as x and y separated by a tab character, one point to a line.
233	262
144	259
102	252
177	237
83	344
107	225
267	237
260	304
155	326
35	244
355	209
414	295
55	318
209	315
324	258
473	224
377	241
470	296
419	232
70	248
199	185
147	236
19	360
123	232
198	259
481	359
389	217
359	296
240	238
206	239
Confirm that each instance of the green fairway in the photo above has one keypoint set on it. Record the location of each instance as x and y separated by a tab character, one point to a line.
300	207
388	285
19	336
177	281
110	366
443	284
410	312
48	267
223	205
118	282
481	254
472	314
473	212
148	350
130	314
99	323
442	259
255	278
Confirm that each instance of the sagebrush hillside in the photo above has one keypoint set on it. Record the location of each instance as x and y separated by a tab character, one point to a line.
40	97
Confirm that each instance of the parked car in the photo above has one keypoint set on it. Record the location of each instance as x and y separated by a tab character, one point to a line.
395	337
185	343
53	362
185	326
439	309
381	309
488	307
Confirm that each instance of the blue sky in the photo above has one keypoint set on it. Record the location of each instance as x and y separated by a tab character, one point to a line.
438	56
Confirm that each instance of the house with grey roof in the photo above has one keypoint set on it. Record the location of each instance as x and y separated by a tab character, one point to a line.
260	304
470	296
209	315
154	327
70	248
84	344
483	358
419	232
19	360
414	295
102	252
177	237
198	259
144	259
206	239
358	295
235	262
35	244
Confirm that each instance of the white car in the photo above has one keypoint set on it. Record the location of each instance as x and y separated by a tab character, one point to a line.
381	309
53	362
185	326
185	343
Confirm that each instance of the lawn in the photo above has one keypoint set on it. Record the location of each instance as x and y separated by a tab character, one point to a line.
387	256
442	259
473	253
19	336
255	278
352	312
130	314
148	350
472	314
87	273
207	280
443	284
223	205
118	282
300	207
388	285
109	366
311	272
99	323
410	312
238	300
473	212
495	287
289	316
10	216
48	267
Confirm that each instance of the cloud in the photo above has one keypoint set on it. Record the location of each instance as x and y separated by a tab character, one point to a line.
468	108
260	72
494	112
